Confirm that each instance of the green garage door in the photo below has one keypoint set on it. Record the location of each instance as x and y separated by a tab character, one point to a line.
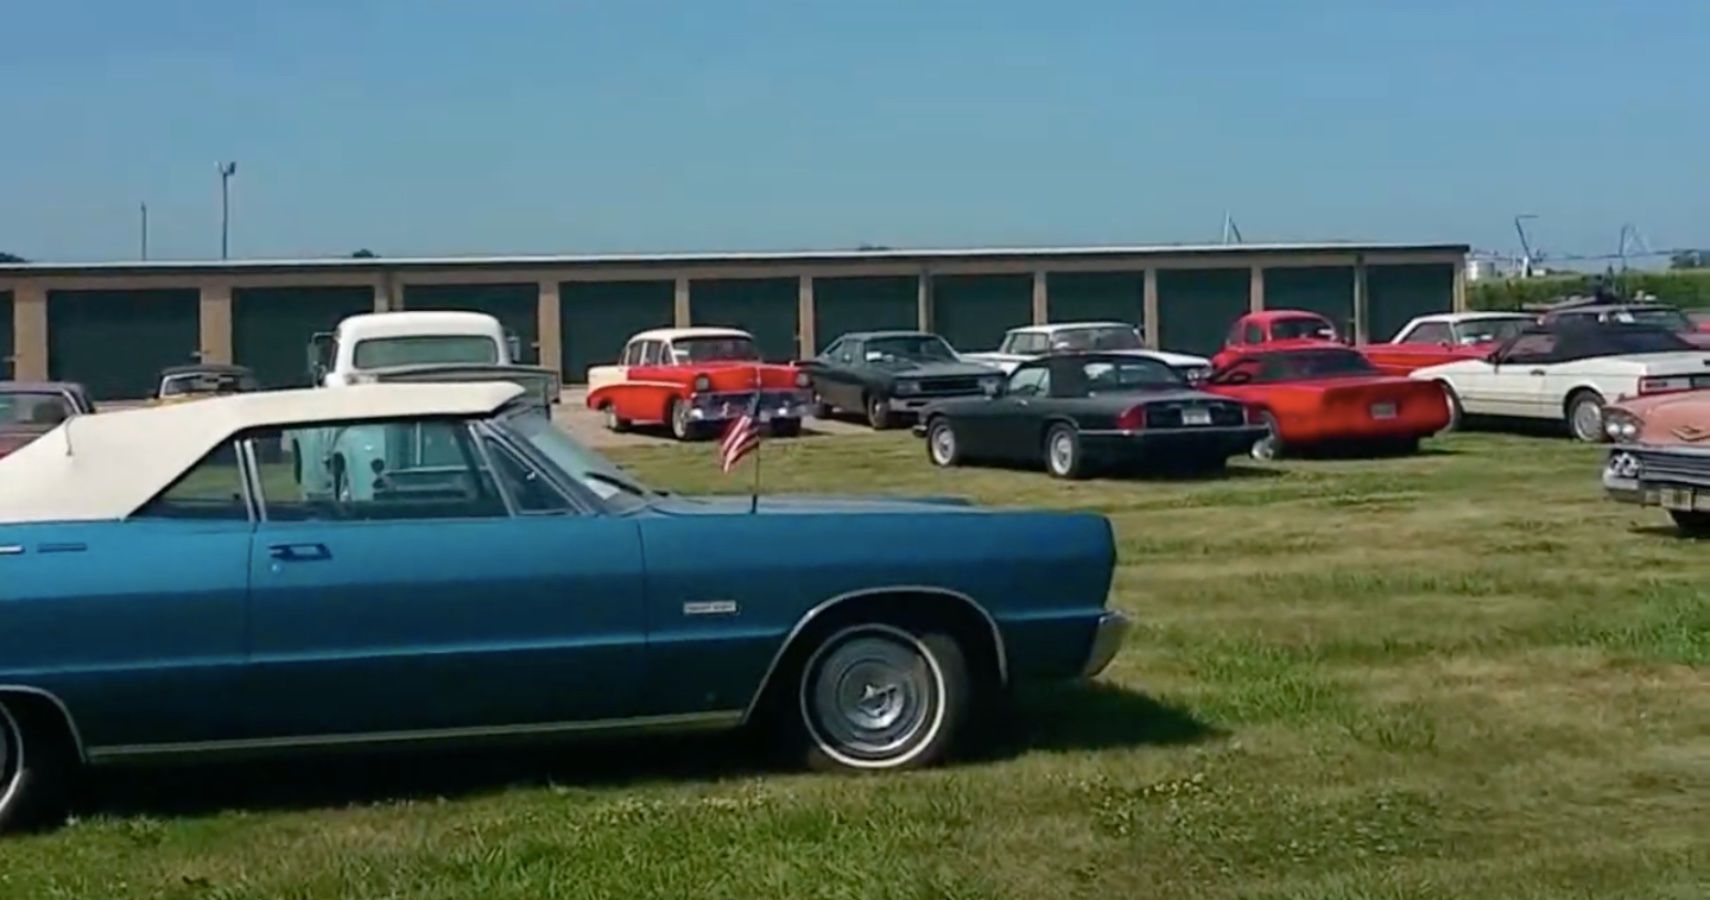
1395	294
763	307
1326	290
1197	306
271	327
842	305
1096	297
597	317
516	306
116	342
6	349
974	311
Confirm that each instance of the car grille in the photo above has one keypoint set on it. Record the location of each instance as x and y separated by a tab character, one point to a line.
1169	415
1661	465
958	385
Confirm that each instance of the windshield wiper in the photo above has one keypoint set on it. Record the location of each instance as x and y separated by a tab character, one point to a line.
622	484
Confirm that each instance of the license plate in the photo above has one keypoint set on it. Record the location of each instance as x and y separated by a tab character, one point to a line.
1383	410
1684	499
1196	417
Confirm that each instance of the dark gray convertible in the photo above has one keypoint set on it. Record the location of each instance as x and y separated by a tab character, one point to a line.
1083	411
885	375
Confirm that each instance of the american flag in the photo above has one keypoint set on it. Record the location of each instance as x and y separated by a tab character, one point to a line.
742	436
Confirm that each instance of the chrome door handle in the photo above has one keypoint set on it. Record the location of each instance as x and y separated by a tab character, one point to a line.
1536	372
299	552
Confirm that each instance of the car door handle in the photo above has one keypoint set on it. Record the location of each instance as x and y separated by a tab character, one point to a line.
1535	372
299	552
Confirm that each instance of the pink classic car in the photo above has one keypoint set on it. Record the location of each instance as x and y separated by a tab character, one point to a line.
1661	455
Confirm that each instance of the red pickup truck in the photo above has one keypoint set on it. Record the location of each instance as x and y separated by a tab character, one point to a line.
1276	329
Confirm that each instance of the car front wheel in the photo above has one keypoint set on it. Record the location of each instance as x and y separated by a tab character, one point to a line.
1270	446
33	768
878	413
876	696
683	428
614	422
941	443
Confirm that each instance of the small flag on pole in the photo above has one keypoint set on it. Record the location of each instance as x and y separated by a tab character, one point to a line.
740	438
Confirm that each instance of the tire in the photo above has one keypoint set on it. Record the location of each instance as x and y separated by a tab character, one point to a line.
1063	457
1585	417
1457	413
821	409
875	696
1692	524
942	447
878	413
614	422
35	767
786	427
677	418
1270	446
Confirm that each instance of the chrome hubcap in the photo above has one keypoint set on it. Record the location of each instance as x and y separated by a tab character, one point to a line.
680	419
871	697
943	444
1062	452
1587	421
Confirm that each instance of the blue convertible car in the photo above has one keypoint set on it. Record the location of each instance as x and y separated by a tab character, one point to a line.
404	564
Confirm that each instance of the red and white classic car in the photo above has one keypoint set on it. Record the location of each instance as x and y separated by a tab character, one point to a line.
695	379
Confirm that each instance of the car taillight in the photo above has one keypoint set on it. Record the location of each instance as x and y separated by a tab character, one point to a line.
1665	385
1133	419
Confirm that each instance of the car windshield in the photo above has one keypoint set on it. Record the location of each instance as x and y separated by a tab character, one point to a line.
33	408
1300	365
1485	331
914	347
1302	327
1104	337
579	463
713	349
426	349
206	383
1115	376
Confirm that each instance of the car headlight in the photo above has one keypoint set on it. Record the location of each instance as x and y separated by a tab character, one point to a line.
802	380
908	387
1621	425
702	383
991	383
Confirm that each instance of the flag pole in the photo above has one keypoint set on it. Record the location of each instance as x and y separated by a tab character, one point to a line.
759	442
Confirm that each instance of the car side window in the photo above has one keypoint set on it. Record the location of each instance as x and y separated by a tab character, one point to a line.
831	353
1532	348
210	489
1253	334
631	354
851	353
528	491
376	471
652	352
1430	333
1031	381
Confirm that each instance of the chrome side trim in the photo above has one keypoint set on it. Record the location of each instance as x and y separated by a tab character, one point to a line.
12	550
679	722
70	723
807	619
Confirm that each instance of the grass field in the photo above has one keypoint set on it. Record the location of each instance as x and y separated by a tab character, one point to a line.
1461	674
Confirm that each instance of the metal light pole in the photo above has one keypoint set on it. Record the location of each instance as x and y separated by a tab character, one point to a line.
144	209
227	170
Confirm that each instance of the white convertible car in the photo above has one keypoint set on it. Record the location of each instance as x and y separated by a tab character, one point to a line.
1567	373
1033	341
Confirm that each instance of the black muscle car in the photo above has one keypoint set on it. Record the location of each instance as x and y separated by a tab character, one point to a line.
884	375
1082	411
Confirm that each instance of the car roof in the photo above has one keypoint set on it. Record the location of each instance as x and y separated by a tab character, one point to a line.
1482	315
1272	315
105	466
1606	307
672	334
1054	327
871	335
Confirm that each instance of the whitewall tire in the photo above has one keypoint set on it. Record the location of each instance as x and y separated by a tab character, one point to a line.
875	697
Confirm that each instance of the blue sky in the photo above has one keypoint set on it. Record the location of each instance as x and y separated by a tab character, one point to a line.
463	127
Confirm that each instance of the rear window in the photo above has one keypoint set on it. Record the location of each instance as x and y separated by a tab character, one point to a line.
33	409
1302	327
426	350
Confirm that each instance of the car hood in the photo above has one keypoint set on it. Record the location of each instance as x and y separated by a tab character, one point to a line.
1672	419
804	504
913	369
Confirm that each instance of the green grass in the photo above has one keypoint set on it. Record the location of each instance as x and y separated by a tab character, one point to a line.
1461	674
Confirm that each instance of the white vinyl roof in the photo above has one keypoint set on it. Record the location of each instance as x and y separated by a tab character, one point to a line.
410	323
671	334
1471	317
105	466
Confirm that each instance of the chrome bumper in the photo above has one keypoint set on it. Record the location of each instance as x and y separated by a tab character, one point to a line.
774	404
1112	630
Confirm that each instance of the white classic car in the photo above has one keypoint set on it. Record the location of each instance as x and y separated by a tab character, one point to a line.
1568	373
1033	341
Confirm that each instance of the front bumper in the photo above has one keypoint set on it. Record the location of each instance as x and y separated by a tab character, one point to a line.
1672	478
726	405
1112	630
